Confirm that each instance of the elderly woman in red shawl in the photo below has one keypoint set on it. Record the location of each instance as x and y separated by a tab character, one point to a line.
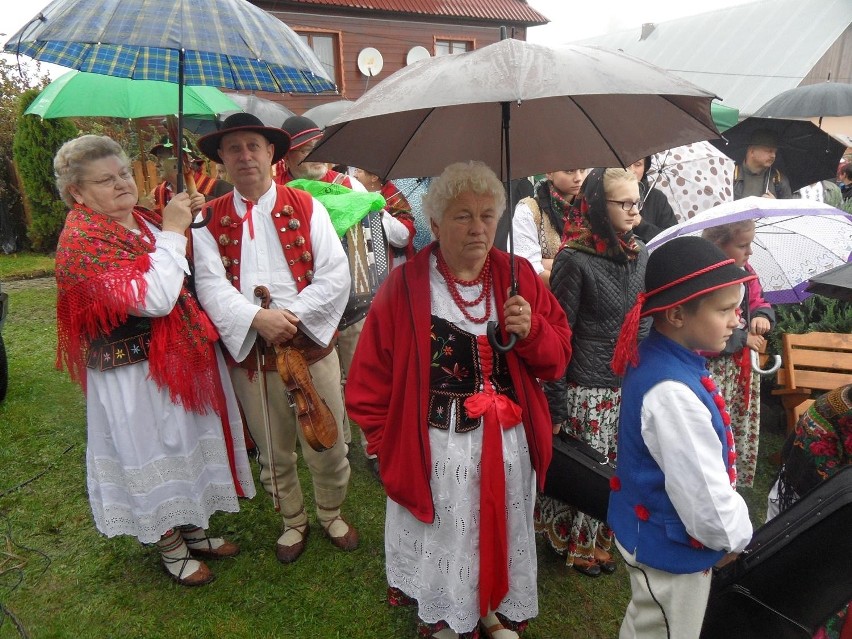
165	443
461	430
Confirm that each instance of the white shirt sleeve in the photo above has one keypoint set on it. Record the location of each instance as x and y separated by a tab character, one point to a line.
526	236
677	430
165	277
228	309
396	232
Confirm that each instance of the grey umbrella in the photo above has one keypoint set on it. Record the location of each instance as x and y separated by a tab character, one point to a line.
322	114
270	113
826	99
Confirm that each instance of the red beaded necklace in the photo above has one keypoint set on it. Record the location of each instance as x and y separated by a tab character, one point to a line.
454	282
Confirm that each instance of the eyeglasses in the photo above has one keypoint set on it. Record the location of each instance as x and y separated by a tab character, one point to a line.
628	204
112	181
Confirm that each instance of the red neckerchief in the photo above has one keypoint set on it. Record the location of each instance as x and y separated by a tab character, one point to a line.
100	274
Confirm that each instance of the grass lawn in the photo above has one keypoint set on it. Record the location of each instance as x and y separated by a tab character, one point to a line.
60	578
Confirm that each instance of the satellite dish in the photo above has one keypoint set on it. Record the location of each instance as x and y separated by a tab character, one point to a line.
370	62
417	53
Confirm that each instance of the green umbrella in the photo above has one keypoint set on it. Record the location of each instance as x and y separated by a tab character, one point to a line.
724	117
79	94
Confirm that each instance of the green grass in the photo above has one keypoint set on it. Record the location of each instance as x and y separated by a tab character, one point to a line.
60	578
25	265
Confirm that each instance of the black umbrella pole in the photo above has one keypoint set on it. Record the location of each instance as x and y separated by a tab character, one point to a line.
179	141
491	329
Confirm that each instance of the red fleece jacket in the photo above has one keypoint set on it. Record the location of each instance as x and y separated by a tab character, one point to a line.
387	390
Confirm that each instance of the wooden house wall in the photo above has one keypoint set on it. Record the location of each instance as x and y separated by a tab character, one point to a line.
392	36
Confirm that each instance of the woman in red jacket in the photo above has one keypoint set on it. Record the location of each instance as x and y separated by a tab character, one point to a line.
462	432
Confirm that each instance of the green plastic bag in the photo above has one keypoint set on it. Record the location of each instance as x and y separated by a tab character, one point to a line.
345	206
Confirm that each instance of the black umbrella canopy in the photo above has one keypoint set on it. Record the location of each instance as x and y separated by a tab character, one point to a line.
836	283
805	155
827	99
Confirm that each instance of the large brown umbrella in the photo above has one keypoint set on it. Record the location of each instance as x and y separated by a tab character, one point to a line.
560	106
521	108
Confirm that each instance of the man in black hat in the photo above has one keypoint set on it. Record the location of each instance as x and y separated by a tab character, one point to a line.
755	174
162	194
281	238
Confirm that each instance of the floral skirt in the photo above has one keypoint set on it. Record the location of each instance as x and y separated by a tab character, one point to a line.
744	409
593	417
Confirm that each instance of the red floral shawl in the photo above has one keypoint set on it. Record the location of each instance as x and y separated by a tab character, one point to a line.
100	276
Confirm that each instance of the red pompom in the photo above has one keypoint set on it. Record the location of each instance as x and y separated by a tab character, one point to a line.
732	457
726	418
695	543
709	384
642	512
614	483
730	438
719	401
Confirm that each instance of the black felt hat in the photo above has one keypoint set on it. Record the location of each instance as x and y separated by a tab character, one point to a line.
680	270
209	144
685	268
301	130
165	145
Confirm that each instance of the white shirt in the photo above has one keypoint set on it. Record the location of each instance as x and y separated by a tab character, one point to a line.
696	478
318	306
396	232
525	236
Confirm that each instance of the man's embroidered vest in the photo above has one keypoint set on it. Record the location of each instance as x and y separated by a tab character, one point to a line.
292	217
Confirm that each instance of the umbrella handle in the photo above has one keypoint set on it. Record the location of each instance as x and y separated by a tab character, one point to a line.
755	364
207	215
494	339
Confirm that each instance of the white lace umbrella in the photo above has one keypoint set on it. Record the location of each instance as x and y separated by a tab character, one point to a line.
795	240
694	177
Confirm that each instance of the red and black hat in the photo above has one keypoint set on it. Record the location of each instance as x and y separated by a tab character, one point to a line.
685	268
680	270
209	144
301	130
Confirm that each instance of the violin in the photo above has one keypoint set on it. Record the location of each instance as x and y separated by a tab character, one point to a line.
316	421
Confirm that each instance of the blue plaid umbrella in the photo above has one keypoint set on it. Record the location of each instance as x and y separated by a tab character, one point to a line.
221	43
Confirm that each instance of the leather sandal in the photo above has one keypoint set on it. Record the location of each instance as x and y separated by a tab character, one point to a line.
496	631
587	567
288	554
348	541
200	577
227	549
606	561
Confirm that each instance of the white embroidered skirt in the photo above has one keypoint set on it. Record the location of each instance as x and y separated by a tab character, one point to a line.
150	464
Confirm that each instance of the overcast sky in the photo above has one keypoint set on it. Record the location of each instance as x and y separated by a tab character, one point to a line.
570	19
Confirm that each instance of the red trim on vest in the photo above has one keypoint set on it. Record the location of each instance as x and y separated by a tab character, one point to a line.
162	196
292	217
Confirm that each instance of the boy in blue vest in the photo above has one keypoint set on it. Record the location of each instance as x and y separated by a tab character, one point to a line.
673	506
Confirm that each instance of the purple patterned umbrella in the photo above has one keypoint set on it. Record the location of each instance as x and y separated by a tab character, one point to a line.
794	241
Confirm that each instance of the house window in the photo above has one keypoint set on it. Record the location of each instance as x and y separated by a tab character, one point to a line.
327	48
448	47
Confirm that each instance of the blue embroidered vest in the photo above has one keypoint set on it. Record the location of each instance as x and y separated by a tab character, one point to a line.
658	538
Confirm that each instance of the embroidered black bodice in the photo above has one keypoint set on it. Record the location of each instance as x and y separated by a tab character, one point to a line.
455	375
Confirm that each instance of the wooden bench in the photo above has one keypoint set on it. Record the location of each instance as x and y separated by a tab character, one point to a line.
814	363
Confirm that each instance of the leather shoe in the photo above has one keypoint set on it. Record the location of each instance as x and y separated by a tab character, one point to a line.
227	549
590	568
347	541
200	577
605	560
289	554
